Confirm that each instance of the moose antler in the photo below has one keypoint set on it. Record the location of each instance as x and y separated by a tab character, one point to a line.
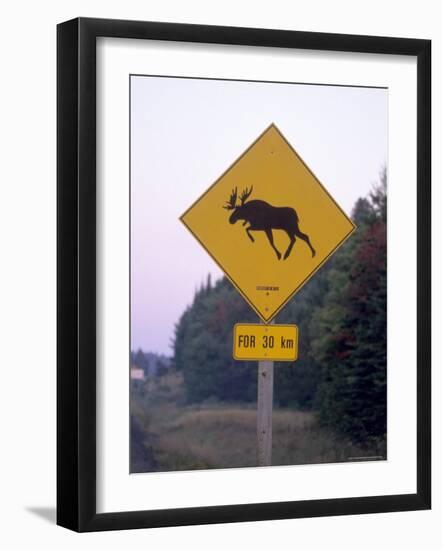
231	204
245	195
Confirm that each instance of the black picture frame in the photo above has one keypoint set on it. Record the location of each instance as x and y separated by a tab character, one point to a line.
77	287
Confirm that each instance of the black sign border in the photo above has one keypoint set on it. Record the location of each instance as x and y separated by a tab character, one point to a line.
77	284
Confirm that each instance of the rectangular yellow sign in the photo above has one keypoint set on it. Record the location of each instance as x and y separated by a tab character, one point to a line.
253	342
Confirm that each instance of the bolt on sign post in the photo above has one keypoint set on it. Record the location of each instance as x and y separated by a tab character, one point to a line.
269	224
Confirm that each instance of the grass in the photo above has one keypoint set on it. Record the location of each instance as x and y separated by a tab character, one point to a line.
222	435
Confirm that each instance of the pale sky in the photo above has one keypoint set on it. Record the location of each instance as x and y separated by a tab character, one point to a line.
186	132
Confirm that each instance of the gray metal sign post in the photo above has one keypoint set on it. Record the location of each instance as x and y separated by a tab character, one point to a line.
264	412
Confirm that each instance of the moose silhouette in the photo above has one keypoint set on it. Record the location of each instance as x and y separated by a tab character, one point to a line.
262	216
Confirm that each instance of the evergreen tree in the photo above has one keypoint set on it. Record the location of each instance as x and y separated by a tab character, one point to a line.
341	315
351	332
203	346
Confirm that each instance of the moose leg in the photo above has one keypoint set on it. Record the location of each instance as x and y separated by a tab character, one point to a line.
306	239
270	237
250	235
290	246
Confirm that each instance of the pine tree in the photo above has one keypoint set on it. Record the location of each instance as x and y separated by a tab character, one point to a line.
351	343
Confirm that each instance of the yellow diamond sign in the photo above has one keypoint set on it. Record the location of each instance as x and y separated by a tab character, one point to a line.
268	223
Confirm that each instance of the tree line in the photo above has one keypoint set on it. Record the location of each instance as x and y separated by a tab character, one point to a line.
341	315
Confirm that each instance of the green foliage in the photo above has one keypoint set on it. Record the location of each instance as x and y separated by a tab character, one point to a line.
296	384
151	363
203	346
350	342
341	315
169	435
